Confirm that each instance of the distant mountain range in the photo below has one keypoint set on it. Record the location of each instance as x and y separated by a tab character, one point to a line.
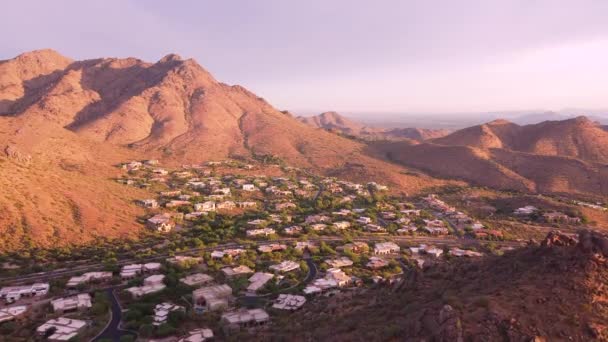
335	122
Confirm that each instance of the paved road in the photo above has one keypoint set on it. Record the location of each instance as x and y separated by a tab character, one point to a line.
312	270
112	330
449	241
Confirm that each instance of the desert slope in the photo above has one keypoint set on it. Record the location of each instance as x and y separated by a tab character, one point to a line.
503	168
551	292
579	138
65	123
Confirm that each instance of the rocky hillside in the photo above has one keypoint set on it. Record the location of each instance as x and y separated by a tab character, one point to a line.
549	292
64	123
333	121
550	157
578	138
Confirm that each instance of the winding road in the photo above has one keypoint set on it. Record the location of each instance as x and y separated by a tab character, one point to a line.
112	331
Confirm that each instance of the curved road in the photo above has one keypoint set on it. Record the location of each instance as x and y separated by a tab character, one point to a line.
112	331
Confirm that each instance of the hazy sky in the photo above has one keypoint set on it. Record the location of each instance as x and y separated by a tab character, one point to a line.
348	55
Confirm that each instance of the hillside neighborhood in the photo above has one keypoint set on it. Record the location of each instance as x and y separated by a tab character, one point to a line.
260	246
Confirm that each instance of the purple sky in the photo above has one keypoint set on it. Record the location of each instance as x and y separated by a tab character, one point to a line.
348	55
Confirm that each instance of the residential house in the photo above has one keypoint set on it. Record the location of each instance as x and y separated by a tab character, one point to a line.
249	187
161	222
284	206
356	247
318	227
236	271
87	278
364	220
212	298
557	217
339	262
289	302
376	263
273	247
244	318
340	225
260	232
61	329
205	206
374	228
386	248
12	294
184	260
162	311
258	280
292	230
226	205
198	335
246	204
176	203
152	284
11	313
285	266
196	279
525	211
233	252
75	303
148	203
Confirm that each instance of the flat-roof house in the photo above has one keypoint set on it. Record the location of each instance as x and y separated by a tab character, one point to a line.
289	302
285	266
341	225
212	298
386	248
181	260
162	311
244	318
87	278
356	247
272	248
258	280
260	232
161	222
364	220
246	204
233	252
236	271
226	205
196	279
205	206
148	203
376	263
248	187
292	230
12	294
11	313
318	227
198	335
79	302
152	284
339	262
63	329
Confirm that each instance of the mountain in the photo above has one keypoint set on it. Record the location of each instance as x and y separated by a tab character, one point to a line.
550	157
333	121
578	138
65	123
549	292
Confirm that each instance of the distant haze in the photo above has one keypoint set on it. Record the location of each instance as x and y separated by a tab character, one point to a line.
353	56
